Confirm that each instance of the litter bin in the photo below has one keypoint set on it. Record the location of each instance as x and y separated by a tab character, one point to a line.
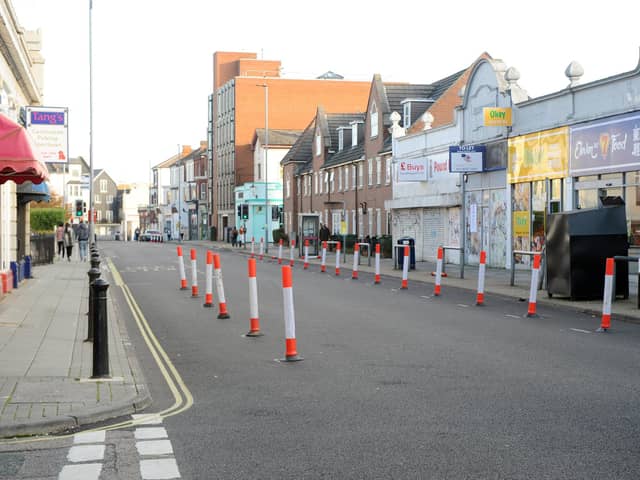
412	252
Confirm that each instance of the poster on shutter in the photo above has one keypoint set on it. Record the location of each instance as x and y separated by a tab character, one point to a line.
473	218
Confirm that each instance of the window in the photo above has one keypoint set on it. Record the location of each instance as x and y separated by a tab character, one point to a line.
96	199
406	115
378	222
340	139
99	215
326	182
346	178
203	191
387	169
354	134
298	191
109	216
354	176
360	175
318	145
332	182
353	222
339	172
373	120
103	186
370	170
288	187
378	171
109	199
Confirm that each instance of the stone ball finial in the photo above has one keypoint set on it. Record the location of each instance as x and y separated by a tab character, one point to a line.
395	117
428	119
512	75
573	72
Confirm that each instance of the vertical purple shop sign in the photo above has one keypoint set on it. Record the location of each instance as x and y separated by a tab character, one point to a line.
607	145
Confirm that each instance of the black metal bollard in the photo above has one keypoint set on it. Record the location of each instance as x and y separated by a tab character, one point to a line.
94	274
100	334
95	261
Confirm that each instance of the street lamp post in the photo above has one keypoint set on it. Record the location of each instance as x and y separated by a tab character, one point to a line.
91	212
266	164
179	222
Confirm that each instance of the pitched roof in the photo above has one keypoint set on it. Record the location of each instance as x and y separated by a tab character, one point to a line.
335	120
278	137
345	155
301	150
168	162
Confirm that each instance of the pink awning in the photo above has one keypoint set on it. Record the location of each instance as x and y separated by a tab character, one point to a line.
18	161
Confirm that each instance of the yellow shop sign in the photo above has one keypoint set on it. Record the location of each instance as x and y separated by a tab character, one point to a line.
497	117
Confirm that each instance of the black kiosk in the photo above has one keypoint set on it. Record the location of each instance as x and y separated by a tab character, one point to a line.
578	244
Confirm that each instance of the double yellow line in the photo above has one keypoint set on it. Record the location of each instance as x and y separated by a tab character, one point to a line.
183	400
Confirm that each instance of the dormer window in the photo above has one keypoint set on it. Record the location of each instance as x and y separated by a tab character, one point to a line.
318	145
340	139
373	120
354	134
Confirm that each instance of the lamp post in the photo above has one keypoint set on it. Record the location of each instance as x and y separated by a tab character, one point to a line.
179	222
91	212
266	164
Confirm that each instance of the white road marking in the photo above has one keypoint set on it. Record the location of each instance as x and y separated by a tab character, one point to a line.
512	316
86	453
159	469
154	447
90	437
147	419
425	296
88	471
580	330
463	305
150	432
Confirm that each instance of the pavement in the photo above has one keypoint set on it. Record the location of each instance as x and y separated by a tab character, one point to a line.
46	364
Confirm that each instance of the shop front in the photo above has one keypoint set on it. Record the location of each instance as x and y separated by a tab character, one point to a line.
537	173
605	166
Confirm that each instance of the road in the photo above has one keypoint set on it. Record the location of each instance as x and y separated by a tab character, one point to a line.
394	383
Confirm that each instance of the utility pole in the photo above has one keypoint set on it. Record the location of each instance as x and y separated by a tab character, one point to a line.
92	228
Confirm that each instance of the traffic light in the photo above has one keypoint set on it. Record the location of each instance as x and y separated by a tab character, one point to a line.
84	207
79	208
245	212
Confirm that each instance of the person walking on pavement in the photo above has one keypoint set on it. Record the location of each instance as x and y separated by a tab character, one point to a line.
68	240
234	237
83	239
60	239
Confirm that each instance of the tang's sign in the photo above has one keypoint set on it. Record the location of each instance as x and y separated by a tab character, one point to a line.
48	127
496	117
466	158
412	170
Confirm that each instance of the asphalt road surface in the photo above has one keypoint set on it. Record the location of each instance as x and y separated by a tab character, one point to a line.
395	384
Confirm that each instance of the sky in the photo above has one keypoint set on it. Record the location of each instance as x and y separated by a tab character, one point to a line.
152	59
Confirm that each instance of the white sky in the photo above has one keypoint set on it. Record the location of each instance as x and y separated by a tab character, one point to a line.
152	59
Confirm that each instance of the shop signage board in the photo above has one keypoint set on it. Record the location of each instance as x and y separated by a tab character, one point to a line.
496	117
606	145
539	155
48	127
466	158
520	224
413	170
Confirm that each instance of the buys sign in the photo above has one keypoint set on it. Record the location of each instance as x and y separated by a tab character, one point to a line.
413	170
497	117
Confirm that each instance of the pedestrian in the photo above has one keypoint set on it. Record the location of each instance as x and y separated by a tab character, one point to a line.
60	239
68	240
136	234
83	239
234	237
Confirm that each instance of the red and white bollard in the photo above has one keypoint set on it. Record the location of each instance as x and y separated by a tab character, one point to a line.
533	290
291	253
306	254
183	275
261	248
605	324
323	261
280	252
338	258
222	302
405	269
208	294
254	330
437	288
481	272
356	256
376	278
194	274
291	354
253	247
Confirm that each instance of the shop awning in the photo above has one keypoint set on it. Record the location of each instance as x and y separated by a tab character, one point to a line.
18	161
30	192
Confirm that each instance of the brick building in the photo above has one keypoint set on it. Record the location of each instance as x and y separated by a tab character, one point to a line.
244	89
